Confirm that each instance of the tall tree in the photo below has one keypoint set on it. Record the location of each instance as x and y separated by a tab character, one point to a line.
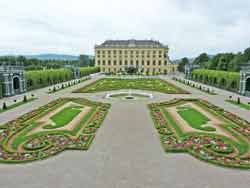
247	54
181	65
201	60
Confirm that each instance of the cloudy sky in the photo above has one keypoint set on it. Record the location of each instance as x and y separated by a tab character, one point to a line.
189	27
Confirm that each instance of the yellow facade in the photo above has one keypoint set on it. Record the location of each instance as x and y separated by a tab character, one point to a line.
149	57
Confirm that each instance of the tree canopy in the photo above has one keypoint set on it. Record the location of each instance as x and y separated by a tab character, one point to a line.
37	64
223	61
181	65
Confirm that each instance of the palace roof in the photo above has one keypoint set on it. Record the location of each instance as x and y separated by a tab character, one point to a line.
131	44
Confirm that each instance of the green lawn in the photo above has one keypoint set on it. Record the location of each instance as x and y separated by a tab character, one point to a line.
194	118
150	84
63	117
241	105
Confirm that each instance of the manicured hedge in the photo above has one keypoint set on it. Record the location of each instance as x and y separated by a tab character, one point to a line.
42	78
88	70
221	79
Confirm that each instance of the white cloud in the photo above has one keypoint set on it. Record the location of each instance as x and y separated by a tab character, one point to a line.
73	27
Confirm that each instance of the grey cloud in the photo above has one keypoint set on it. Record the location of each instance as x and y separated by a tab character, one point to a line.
189	27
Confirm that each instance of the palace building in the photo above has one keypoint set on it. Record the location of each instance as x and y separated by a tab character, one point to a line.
146	56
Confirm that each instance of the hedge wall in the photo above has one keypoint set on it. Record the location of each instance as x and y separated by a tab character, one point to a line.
221	79
42	78
89	70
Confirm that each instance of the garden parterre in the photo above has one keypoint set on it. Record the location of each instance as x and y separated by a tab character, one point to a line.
27	139
230	149
108	84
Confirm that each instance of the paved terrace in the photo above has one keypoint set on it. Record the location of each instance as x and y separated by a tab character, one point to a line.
125	153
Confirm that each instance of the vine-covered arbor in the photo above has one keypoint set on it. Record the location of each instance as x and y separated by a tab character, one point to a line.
12	79
245	80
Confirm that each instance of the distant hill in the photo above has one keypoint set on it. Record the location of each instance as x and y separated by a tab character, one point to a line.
53	57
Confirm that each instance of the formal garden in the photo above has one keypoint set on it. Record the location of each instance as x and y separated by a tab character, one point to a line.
204	130
63	124
149	84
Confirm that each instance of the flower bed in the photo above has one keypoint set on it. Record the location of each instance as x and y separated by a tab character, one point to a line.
18	144
151	84
210	147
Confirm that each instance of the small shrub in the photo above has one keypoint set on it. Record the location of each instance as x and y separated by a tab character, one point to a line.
25	98
238	100
4	106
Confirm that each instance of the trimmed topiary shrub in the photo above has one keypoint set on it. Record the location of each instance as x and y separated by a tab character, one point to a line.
4	106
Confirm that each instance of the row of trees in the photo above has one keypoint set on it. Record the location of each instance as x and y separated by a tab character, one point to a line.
85	71
222	61
222	79
42	78
37	64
